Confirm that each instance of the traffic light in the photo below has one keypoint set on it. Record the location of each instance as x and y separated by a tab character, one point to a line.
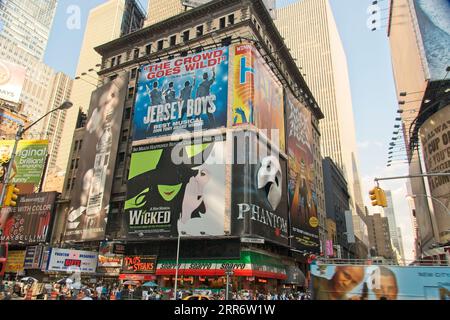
378	197
12	194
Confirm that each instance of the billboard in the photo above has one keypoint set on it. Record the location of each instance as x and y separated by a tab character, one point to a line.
187	93
259	195
33	257
107	258
29	222
177	187
435	138
302	196
15	261
72	260
28	163
139	264
433	17
89	204
257	94
377	282
12	78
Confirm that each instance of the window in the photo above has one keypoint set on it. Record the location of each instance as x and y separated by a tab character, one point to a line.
119	58
186	36
76	146
68	184
160	44
125	135
113	62
136	53
173	40
231	19
121	158
130	92
72	164
183	54
111	78
198	49
133	73
148	49
81	142
222	23
73	184
226	42
76	163
127	113
199	31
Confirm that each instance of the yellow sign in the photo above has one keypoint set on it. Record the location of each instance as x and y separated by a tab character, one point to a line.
313	222
15	261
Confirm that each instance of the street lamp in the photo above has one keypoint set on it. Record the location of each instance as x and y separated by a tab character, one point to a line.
66	105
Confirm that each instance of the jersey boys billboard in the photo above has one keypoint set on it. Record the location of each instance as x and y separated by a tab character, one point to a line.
302	196
182	94
176	187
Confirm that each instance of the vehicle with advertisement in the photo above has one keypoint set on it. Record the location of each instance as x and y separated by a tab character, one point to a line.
379	282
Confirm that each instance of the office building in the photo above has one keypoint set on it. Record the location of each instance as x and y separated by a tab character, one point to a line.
379	237
27	23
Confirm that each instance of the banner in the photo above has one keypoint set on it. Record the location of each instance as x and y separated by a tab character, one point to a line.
176	187
257	94
259	195
12	78
15	261
28	163
89	204
29	222
435	138
357	282
139	264
302	195
33	257
72	261
106	256
189	93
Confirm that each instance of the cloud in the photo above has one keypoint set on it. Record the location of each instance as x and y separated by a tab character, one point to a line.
368	144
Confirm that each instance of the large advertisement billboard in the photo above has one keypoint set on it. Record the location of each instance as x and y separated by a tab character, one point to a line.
435	138
15	261
302	197
259	195
12	78
28	163
433	17
187	93
377	282
89	204
29	222
72	261
257	94
177	187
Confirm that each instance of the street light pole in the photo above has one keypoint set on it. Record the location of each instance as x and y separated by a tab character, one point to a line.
176	267
66	105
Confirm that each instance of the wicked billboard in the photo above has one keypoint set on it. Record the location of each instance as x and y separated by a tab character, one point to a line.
177	187
182	94
89	204
302	197
259	196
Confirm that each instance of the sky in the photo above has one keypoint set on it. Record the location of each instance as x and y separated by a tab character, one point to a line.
371	81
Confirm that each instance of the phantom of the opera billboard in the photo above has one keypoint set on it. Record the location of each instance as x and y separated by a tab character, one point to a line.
187	94
259	193
302	196
176	187
89	203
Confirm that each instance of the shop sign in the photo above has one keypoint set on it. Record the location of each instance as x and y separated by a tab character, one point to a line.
139	264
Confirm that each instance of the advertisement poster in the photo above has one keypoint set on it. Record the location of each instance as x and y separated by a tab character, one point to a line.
12	78
72	260
177	187
358	282
29	162
139	264
259	196
29	222
89	204
33	257
433	17
15	261
107	259
257	94
302	197
187	93
435	138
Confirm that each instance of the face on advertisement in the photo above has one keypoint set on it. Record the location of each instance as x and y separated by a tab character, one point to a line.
386	288
346	278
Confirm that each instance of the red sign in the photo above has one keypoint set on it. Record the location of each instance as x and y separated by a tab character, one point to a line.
139	264
72	262
137	277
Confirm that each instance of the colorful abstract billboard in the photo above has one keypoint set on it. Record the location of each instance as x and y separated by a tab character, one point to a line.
29	222
187	93
89	204
377	282
433	17
257	94
29	162
12	78
435	138
302	196
259	195
176	187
